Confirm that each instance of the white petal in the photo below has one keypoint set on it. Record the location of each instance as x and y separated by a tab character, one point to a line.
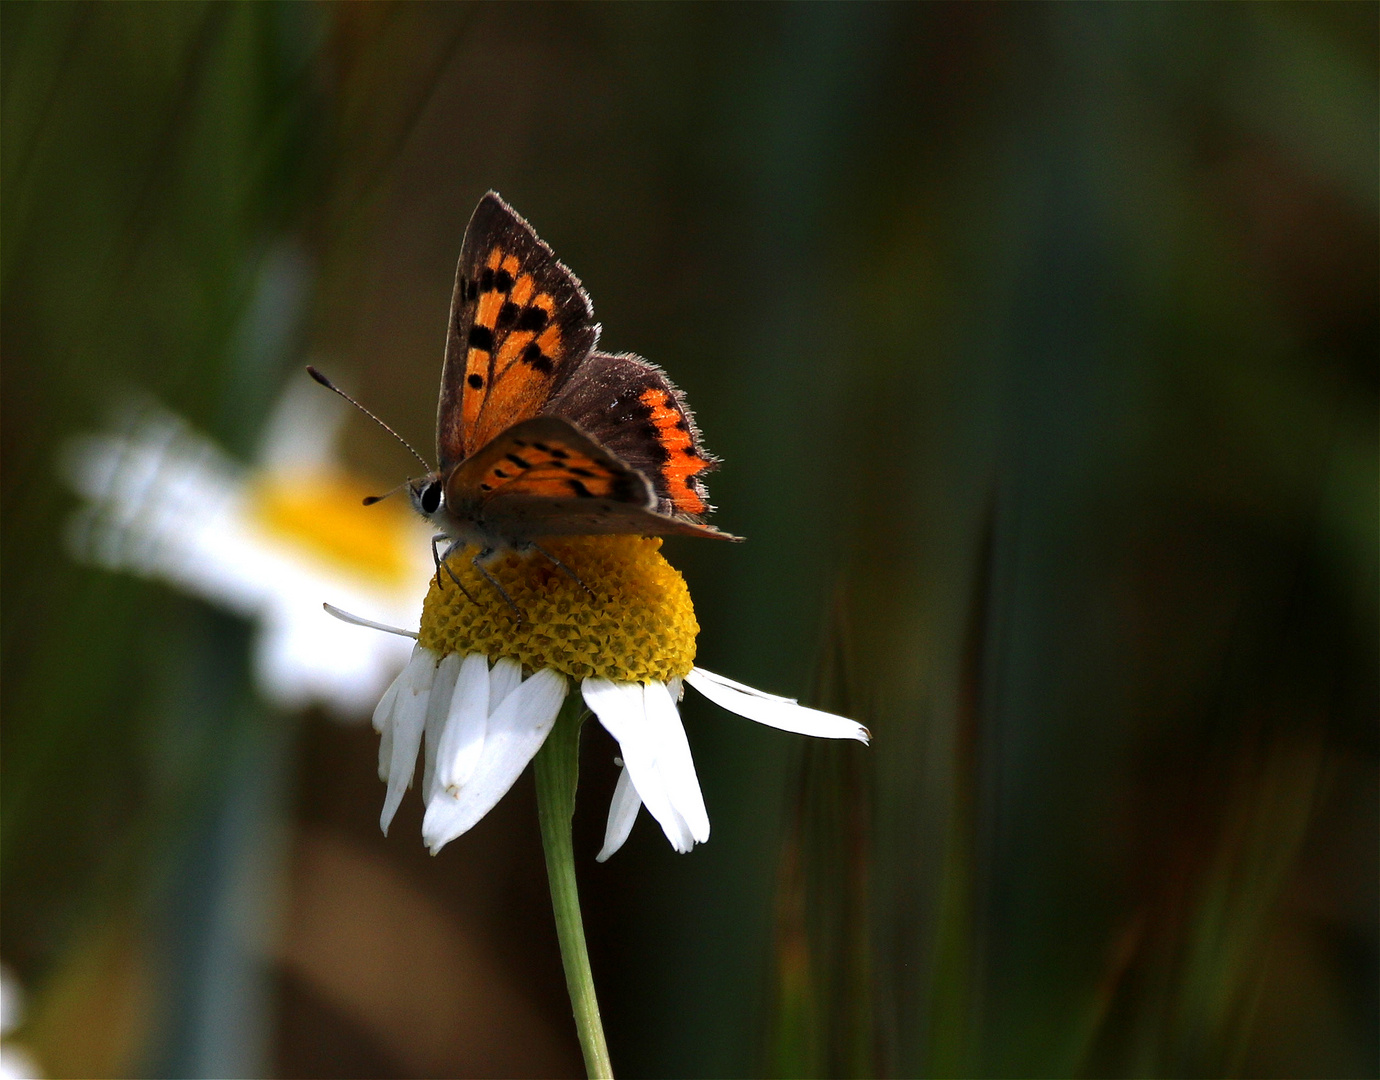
503	680
383	712
409	719
301	431
516	731
442	692
386	752
777	712
621	708
359	620
462	741
622	814
303	657
674	761
733	684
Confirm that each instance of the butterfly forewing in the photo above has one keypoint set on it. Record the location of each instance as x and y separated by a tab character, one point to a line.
519	323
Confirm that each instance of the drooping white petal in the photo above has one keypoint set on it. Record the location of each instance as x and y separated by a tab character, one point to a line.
622	814
386	751
621	708
409	720
516	730
383	721
503	680
674	760
437	711
383	712
462	740
777	712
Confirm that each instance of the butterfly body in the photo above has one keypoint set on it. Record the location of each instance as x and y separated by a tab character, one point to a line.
537	432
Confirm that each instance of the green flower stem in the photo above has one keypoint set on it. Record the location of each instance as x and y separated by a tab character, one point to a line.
558	770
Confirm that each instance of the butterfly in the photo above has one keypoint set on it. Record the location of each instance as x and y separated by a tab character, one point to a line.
538	433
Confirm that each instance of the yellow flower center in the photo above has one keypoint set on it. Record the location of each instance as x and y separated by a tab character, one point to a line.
324	513
638	627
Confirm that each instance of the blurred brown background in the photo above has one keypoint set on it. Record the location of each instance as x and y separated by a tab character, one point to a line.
1040	346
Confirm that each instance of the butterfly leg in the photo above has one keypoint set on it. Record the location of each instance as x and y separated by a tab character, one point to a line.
564	569
478	563
444	561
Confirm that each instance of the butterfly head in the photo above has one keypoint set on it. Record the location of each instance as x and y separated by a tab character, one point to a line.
428	495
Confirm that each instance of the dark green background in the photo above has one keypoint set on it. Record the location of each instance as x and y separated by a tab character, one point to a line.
1040	345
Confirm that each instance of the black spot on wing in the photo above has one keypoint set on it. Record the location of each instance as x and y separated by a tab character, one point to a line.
521	463
507	315
476	381
503	281
580	489
481	337
532	318
535	358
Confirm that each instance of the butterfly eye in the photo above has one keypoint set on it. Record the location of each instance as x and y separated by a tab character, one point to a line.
431	497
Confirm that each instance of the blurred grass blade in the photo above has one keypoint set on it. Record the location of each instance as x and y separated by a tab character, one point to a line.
823	1021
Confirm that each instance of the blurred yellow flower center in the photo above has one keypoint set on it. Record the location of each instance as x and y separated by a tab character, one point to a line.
639	627
324	514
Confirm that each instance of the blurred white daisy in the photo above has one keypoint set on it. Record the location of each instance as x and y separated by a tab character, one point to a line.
481	694
269	543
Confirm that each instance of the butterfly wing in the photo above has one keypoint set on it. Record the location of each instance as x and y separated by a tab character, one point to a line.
545	477
519	323
633	410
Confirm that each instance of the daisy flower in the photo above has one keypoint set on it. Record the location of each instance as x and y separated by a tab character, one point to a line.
266	542
482	691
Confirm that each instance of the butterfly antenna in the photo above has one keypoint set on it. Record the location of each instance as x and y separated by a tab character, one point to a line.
369	500
336	390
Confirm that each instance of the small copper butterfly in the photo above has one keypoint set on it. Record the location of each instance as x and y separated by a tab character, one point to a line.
538	433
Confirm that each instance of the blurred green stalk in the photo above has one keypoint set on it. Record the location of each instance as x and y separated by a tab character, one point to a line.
558	771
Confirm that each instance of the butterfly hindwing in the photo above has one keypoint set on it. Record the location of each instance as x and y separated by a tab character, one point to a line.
632	409
544	477
519	323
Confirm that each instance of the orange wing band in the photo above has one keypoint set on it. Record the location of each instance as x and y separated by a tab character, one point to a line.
682	462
